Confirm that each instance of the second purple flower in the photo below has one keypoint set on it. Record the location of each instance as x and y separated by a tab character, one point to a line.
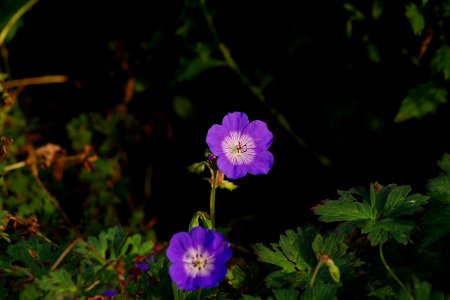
241	146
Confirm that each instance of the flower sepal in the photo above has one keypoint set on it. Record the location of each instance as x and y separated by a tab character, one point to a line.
200	216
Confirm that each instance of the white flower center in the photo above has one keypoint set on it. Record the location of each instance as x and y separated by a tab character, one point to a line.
198	262
239	148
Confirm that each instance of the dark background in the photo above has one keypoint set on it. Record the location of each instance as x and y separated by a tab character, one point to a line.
341	103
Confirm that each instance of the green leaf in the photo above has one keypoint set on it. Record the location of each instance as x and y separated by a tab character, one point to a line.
58	284
377	213
421	101
289	255
320	291
286	294
415	18
379	231
441	61
398	203
346	208
191	68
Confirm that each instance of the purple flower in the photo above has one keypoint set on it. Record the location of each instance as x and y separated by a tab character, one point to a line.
198	258
241	147
110	292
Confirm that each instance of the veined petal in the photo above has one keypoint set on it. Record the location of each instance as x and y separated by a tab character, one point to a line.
235	121
262	163
179	244
216	134
260	134
229	170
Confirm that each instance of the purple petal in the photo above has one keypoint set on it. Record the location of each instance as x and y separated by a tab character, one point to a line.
262	163
235	121
260	134
198	235
179	244
217	275
222	257
181	279
216	134
229	170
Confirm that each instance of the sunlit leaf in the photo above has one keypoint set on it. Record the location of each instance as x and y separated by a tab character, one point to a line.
421	101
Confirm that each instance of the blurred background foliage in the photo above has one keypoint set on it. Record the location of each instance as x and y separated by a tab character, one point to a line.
108	104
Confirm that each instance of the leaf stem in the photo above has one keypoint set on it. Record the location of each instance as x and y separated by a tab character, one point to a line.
14	19
316	271
392	272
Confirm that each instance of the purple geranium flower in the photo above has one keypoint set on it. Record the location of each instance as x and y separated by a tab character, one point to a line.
241	147
198	258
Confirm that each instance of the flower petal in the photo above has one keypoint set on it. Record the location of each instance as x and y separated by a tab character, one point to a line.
216	134
262	163
235	121
182	280
223	256
217	275
179	244
229	170
260	134
198	235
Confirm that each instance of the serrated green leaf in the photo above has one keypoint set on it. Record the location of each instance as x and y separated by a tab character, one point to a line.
286	294
379	231
346	208
109	240
249	297
415	18
398	203
441	61
31	292
58	284
421	101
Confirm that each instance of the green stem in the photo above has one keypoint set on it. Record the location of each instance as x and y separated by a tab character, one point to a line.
14	19
256	90
316	271
392	272
212	200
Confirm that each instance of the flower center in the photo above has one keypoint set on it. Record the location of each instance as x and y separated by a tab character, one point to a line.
198	262
239	148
